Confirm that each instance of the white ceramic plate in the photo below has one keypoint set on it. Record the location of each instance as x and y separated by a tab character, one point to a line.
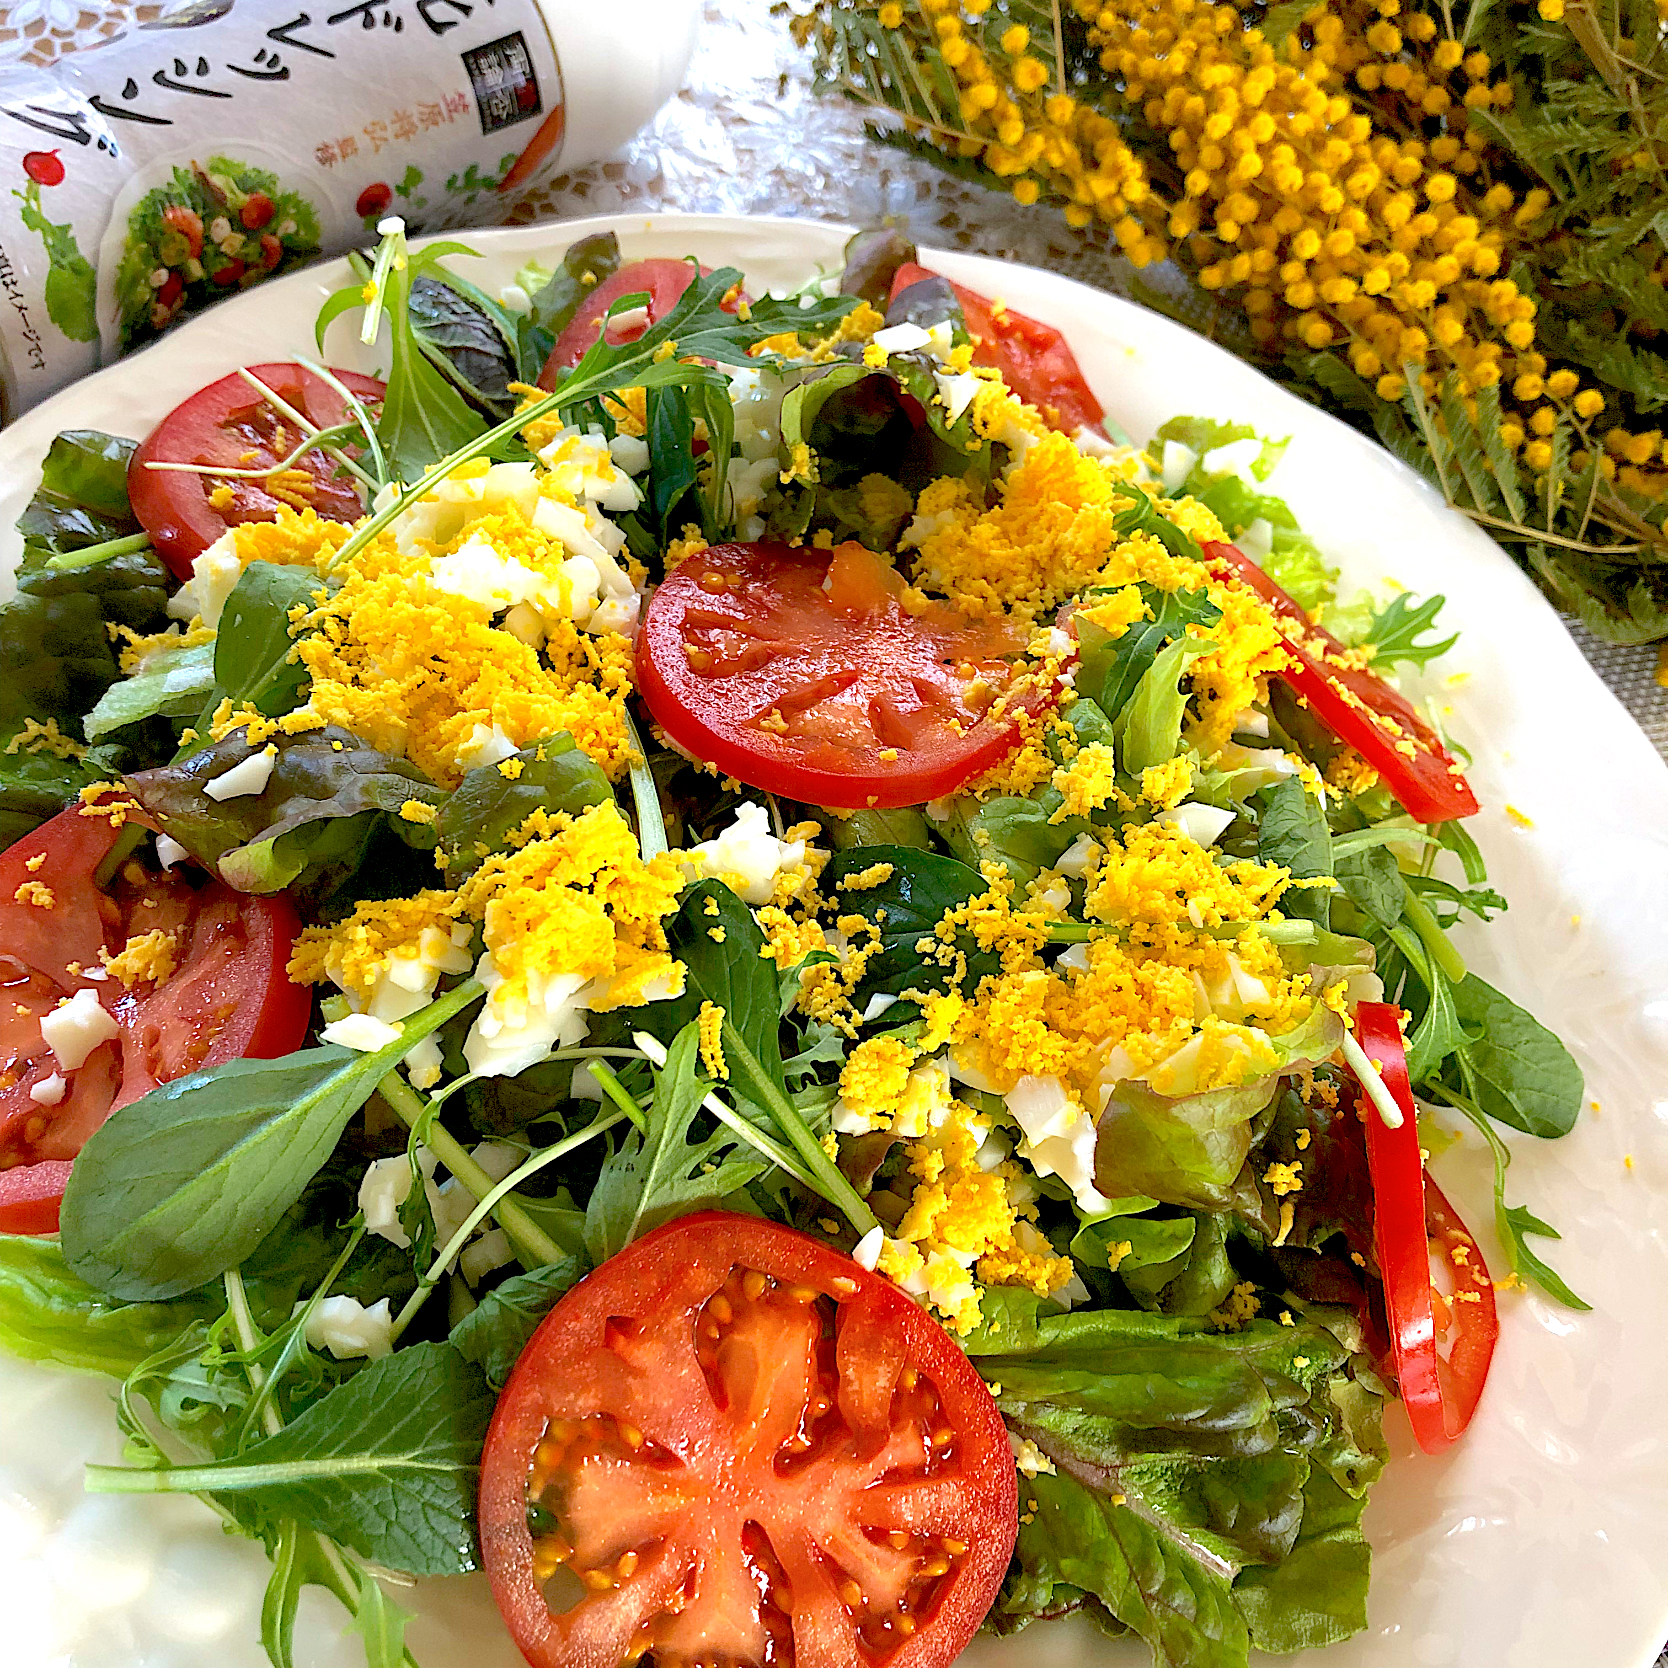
1539	1542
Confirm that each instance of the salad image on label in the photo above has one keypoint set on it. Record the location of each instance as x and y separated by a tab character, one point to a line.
710	952
210	228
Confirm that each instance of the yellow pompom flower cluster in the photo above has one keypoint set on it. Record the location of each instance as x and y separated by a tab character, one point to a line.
1019	121
1341	187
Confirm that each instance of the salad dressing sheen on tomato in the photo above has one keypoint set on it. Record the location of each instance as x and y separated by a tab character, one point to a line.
212	148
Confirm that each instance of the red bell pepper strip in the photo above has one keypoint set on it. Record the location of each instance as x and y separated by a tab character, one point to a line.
1035	360
1362	710
1409	1214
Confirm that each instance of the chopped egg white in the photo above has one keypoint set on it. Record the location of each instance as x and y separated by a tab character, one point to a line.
513	1032
1256	539
901	338
1059	1136
214	576
385	1186
481	1256
76	1027
345	1327
956	390
169	851
1176	465
866	1252
49	1091
746	856
1236	458
363	1033
248	777
1203	824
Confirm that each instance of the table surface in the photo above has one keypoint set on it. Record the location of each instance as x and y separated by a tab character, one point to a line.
747	135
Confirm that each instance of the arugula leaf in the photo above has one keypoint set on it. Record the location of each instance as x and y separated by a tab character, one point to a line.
1144	516
1109	668
385	1463
1522	1222
1293	835
1518	1070
48	1313
662	1172
423	417
495	1332
907	908
308	828
1371	879
301	1558
488	806
182	1184
672	472
1395	630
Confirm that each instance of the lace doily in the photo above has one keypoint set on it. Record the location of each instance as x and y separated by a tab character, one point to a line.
747	135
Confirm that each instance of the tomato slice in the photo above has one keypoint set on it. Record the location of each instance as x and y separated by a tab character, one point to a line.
228	424
30	1195
229	995
1035	360
664	281
1363	711
1411	1218
799	671
747	1449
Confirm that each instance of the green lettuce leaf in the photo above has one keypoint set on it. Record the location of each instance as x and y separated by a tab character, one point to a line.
328	794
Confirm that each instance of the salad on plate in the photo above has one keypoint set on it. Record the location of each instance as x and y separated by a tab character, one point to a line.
715	953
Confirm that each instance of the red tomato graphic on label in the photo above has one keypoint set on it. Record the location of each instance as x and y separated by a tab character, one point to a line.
374	199
44	168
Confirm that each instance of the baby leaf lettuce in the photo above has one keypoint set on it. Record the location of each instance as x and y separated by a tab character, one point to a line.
308	828
1293	834
1187	1462
49	1313
907	907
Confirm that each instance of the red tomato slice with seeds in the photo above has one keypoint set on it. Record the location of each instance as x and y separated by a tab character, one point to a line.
1361	710
229	424
1035	360
663	281
229	995
801	672
733	1444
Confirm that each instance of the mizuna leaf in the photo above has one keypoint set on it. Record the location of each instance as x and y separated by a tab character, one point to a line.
385	1464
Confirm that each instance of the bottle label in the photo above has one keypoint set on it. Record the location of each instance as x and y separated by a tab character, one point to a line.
204	152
